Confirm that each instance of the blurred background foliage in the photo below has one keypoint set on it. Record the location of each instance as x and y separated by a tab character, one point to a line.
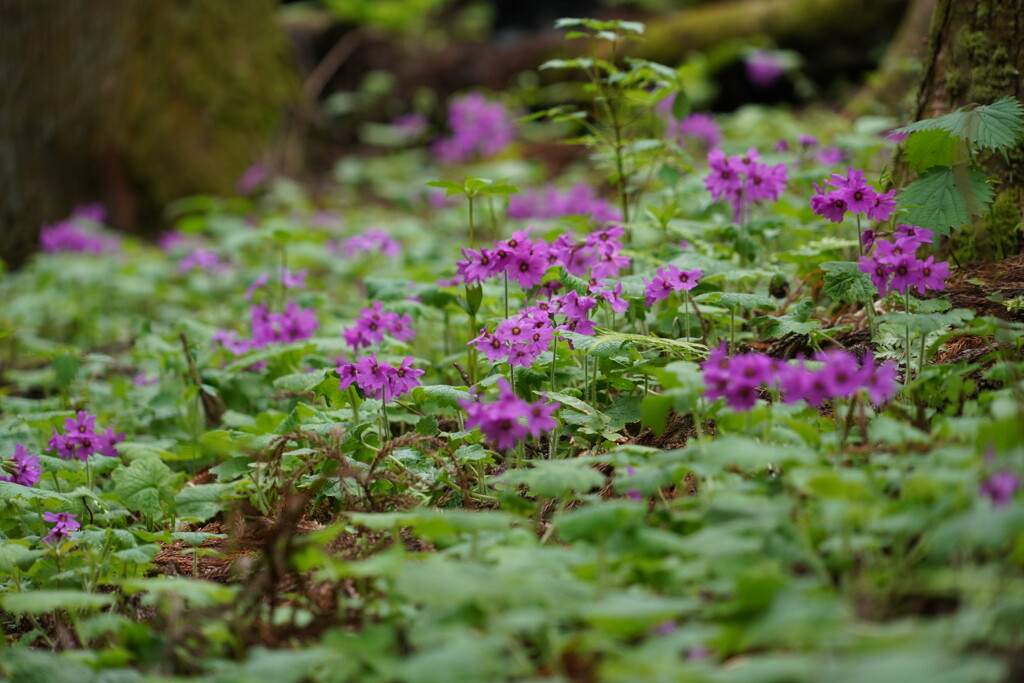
139	103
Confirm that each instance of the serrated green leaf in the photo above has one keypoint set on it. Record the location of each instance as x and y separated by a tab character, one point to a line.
946	199
553	478
927	149
997	126
845	282
146	486
203	501
795	322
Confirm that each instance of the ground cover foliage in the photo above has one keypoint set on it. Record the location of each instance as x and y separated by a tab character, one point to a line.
707	407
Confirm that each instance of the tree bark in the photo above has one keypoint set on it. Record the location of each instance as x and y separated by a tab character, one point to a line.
976	56
134	103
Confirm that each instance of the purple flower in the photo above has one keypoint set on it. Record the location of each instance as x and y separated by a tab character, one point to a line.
479	128
374	322
378	379
202	259
253	177
510	419
851	193
81	439
831	156
764	68
77	234
738	379
1001	487
550	202
370	241
670	279
63	524
22	468
410	125
932	275
743	180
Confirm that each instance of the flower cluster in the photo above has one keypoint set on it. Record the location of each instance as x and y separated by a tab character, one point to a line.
373	322
378	379
479	128
22	468
550	202
526	260
409	126
894	266
1000	487
290	279
81	439
696	126
521	339
764	68
81	232
252	179
851	193
372	240
739	378
510	419
670	279
743	180
293	324
202	259
63	524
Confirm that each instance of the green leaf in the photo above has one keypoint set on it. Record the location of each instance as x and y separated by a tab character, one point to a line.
553	478
10	553
203	501
441	394
996	126
795	322
199	593
738	300
145	485
844	281
946	199
654	411
926	323
929	148
453	188
65	367
41	602
10	490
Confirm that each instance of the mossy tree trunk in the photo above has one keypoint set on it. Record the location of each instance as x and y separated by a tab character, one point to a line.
134	103
976	56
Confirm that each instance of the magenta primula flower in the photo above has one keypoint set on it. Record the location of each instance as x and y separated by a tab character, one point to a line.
81	439
670	279
851	193
202	259
479	128
63	524
374	322
763	68
739	379
550	202
743	180
510	419
22	468
1001	487
378	379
